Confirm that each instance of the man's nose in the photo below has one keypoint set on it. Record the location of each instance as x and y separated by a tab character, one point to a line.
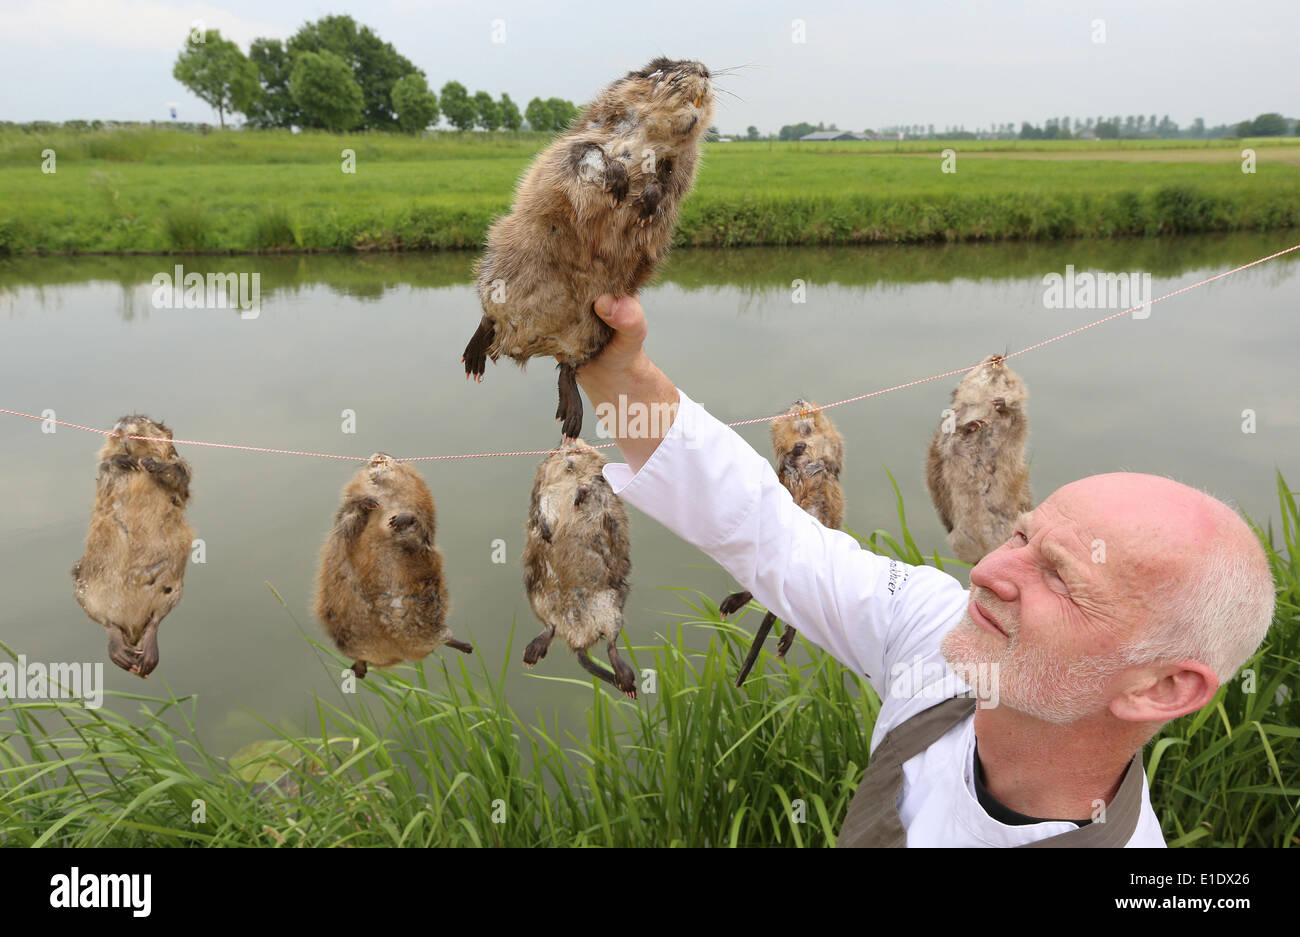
1000	572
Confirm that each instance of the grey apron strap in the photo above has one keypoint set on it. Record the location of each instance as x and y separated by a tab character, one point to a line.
873	821
1121	818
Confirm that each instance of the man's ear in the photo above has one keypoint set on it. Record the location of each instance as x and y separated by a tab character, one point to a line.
1158	693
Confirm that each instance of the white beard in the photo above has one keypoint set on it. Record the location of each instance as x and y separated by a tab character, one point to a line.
1030	680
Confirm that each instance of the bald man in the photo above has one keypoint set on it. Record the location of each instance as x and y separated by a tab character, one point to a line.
1013	713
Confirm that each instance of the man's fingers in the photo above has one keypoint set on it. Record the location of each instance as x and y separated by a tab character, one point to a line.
623	313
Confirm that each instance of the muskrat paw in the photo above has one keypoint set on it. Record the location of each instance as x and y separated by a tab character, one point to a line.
733	602
570	404
616	182
475	357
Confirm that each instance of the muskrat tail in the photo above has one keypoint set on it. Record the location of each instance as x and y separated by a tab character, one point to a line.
759	637
475	356
594	668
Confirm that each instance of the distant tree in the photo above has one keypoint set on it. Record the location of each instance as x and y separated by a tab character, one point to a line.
511	119
1151	124
751	133
218	74
325	91
1198	127
1268	125
275	106
562	112
1130	124
457	106
486	113
1244	129
1167	127
795	131
539	116
415	104
375	65
1106	130
1029	132
1141	123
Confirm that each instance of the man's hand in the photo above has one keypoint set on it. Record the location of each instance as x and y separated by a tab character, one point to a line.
623	369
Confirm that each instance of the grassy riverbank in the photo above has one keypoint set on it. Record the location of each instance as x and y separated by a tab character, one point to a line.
162	190
446	761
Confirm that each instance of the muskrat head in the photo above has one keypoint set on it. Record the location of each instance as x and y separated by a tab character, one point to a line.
684	87
570	464
578	459
989	391
806	418
157	446
381	467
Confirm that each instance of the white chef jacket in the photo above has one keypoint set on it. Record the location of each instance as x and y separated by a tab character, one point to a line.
878	616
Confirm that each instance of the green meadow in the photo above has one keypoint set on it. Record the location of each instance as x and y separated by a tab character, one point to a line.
442	759
165	190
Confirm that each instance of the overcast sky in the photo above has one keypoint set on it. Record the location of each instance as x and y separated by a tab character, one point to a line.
862	65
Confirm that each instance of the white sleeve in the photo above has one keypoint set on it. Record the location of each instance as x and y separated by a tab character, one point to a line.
709	487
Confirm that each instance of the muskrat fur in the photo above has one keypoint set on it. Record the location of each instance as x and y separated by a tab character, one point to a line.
576	561
593	214
132	572
809	458
975	468
380	592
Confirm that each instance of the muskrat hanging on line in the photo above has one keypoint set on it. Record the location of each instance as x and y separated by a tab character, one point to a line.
594	214
380	592
132	572
809	458
577	560
975	467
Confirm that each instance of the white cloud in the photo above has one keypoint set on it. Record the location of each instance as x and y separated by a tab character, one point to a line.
125	24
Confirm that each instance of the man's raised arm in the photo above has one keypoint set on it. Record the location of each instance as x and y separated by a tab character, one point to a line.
699	479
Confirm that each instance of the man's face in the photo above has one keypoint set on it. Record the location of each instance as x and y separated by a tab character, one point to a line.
1055	605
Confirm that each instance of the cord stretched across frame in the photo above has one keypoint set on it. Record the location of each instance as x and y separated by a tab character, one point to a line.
760	419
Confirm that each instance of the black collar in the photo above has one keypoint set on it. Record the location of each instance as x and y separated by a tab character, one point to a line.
1000	811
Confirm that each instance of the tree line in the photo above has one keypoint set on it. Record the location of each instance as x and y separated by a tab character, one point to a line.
336	75
1134	126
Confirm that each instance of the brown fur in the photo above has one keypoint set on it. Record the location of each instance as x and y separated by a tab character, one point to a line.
132	572
577	561
380	593
977	475
592	215
809	458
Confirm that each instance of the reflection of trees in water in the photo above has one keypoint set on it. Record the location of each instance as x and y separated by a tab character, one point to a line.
754	271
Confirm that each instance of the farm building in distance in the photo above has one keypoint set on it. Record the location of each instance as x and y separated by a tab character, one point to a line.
839	135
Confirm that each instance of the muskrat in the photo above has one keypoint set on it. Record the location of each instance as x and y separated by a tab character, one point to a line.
809	459
976	471
380	592
593	214
132	572
576	561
